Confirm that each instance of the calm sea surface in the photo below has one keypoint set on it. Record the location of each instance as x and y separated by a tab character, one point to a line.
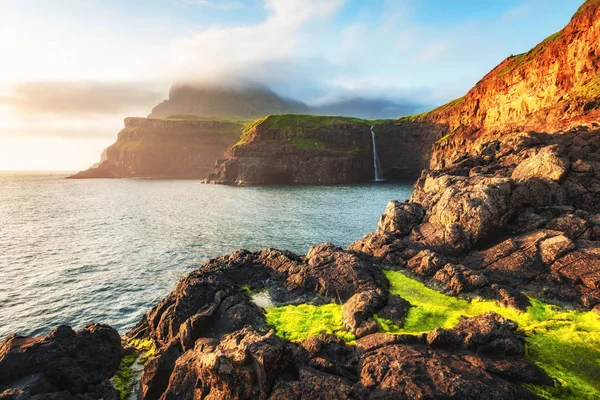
80	251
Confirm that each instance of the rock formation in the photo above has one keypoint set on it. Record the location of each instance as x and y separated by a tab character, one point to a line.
295	149
179	147
215	344
505	211
62	365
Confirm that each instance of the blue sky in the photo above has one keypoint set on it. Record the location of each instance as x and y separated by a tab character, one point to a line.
85	65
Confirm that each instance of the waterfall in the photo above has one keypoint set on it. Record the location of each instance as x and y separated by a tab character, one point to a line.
376	165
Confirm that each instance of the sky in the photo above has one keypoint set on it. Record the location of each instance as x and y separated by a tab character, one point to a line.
71	70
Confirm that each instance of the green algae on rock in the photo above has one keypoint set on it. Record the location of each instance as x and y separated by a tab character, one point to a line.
564	343
296	323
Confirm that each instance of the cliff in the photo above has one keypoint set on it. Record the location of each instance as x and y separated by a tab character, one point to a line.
303	149
245	102
173	148
555	85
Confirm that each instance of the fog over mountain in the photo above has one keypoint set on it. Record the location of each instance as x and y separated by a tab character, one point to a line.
253	100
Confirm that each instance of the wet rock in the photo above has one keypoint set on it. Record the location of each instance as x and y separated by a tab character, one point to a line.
63	363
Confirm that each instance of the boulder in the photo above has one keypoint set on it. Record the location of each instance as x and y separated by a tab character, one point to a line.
61	364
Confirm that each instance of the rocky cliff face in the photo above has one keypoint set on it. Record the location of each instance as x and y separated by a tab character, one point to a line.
313	149
173	148
282	149
556	85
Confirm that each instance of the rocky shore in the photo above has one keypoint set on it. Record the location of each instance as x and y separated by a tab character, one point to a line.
485	285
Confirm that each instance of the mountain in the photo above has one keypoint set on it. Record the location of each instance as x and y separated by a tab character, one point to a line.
360	107
242	102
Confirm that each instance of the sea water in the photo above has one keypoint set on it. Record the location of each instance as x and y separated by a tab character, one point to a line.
80	251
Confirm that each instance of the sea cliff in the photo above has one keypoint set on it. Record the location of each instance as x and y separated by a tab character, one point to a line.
179	147
301	149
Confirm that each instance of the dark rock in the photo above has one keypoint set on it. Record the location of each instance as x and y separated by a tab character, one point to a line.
61	364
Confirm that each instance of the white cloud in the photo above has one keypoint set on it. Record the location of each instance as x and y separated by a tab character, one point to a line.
226	5
220	53
434	51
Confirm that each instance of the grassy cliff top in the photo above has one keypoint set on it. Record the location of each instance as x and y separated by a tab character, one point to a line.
181	117
297	125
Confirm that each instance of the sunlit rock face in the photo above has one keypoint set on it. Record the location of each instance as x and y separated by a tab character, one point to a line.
180	147
554	86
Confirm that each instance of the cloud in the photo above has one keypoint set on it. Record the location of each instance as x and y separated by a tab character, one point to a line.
80	99
225	5
434	51
240	52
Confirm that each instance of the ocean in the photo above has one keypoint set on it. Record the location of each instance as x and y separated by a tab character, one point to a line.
80	251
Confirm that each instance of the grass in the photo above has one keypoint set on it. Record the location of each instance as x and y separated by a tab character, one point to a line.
298	127
515	62
565	343
123	380
309	144
412	118
296	323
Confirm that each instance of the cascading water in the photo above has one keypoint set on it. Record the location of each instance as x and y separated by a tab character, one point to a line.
376	165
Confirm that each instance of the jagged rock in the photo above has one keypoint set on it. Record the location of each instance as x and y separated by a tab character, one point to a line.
395	310
157	371
488	333
202	305
62	364
330	354
242	365
416	372
572	226
459	279
359	308
467	210
400	218
544	164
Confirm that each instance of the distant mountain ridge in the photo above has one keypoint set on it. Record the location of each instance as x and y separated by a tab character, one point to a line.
253	101
246	102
